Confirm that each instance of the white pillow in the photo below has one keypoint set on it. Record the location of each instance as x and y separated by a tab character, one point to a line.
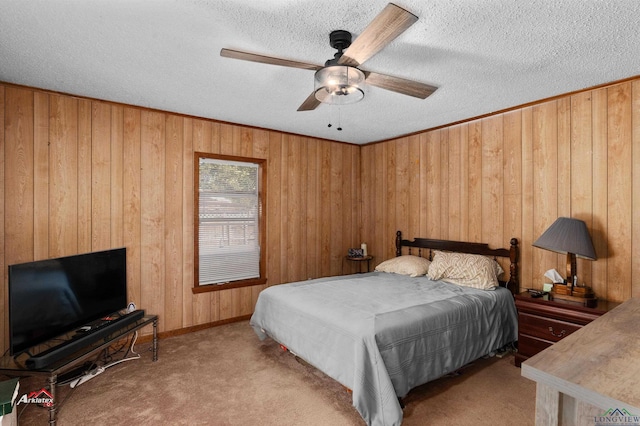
405	265
469	270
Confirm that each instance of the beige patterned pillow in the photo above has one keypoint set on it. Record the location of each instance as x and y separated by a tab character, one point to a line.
469	270
405	265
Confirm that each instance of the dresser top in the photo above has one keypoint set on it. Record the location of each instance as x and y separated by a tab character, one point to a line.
598	363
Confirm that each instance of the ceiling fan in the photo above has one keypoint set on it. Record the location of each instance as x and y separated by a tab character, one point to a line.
340	80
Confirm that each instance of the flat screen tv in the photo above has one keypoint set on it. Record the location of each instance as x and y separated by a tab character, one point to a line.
48	298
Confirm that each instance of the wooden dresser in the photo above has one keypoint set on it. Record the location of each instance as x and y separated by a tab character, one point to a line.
542	322
591	377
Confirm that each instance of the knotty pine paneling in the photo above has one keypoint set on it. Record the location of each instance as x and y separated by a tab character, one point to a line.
173	211
82	175
153	219
527	232
581	169
415	183
41	147
492	181
63	182
599	232
434	168
84	224
18	147
474	213
454	184
545	183
512	174
512	158
101	158
619	181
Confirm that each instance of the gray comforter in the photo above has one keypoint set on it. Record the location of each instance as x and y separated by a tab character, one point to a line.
382	334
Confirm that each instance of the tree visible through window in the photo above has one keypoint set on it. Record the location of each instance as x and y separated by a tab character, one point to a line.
229	220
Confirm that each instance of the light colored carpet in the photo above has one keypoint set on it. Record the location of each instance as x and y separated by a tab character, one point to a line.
226	376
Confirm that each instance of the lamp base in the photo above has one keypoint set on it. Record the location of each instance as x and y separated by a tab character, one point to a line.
579	295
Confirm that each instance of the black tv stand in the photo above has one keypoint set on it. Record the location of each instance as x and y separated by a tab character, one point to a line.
80	340
17	366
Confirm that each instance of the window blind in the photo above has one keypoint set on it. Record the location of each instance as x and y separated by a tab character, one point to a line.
228	234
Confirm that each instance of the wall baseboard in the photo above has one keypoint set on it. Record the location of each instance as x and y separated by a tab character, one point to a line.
165	334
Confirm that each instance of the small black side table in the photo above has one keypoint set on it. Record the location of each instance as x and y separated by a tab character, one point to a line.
362	259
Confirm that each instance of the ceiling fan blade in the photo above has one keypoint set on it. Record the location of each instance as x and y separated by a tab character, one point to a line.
310	103
399	85
389	24
253	57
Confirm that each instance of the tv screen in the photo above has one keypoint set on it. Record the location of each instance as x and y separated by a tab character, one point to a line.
49	298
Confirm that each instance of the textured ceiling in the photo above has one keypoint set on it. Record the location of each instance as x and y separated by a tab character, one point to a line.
483	55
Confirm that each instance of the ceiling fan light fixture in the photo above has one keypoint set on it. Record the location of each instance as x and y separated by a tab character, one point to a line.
339	85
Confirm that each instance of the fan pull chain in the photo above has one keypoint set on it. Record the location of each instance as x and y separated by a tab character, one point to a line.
339	128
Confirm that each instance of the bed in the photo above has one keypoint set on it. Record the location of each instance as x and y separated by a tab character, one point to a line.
382	333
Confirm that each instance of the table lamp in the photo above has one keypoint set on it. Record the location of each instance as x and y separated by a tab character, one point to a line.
570	236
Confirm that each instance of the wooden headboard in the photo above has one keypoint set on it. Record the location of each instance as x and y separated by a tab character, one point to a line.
428	245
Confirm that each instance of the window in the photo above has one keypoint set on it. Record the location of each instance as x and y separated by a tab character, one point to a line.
229	231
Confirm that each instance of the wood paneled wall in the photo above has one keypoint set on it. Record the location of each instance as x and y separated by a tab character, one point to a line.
81	175
511	175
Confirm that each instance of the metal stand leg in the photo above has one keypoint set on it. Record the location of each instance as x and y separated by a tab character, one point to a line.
53	383
155	340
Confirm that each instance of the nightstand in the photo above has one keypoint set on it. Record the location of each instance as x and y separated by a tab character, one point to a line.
361	259
542	322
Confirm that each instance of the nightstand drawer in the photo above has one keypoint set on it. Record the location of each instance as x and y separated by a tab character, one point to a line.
545	328
529	346
543	322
